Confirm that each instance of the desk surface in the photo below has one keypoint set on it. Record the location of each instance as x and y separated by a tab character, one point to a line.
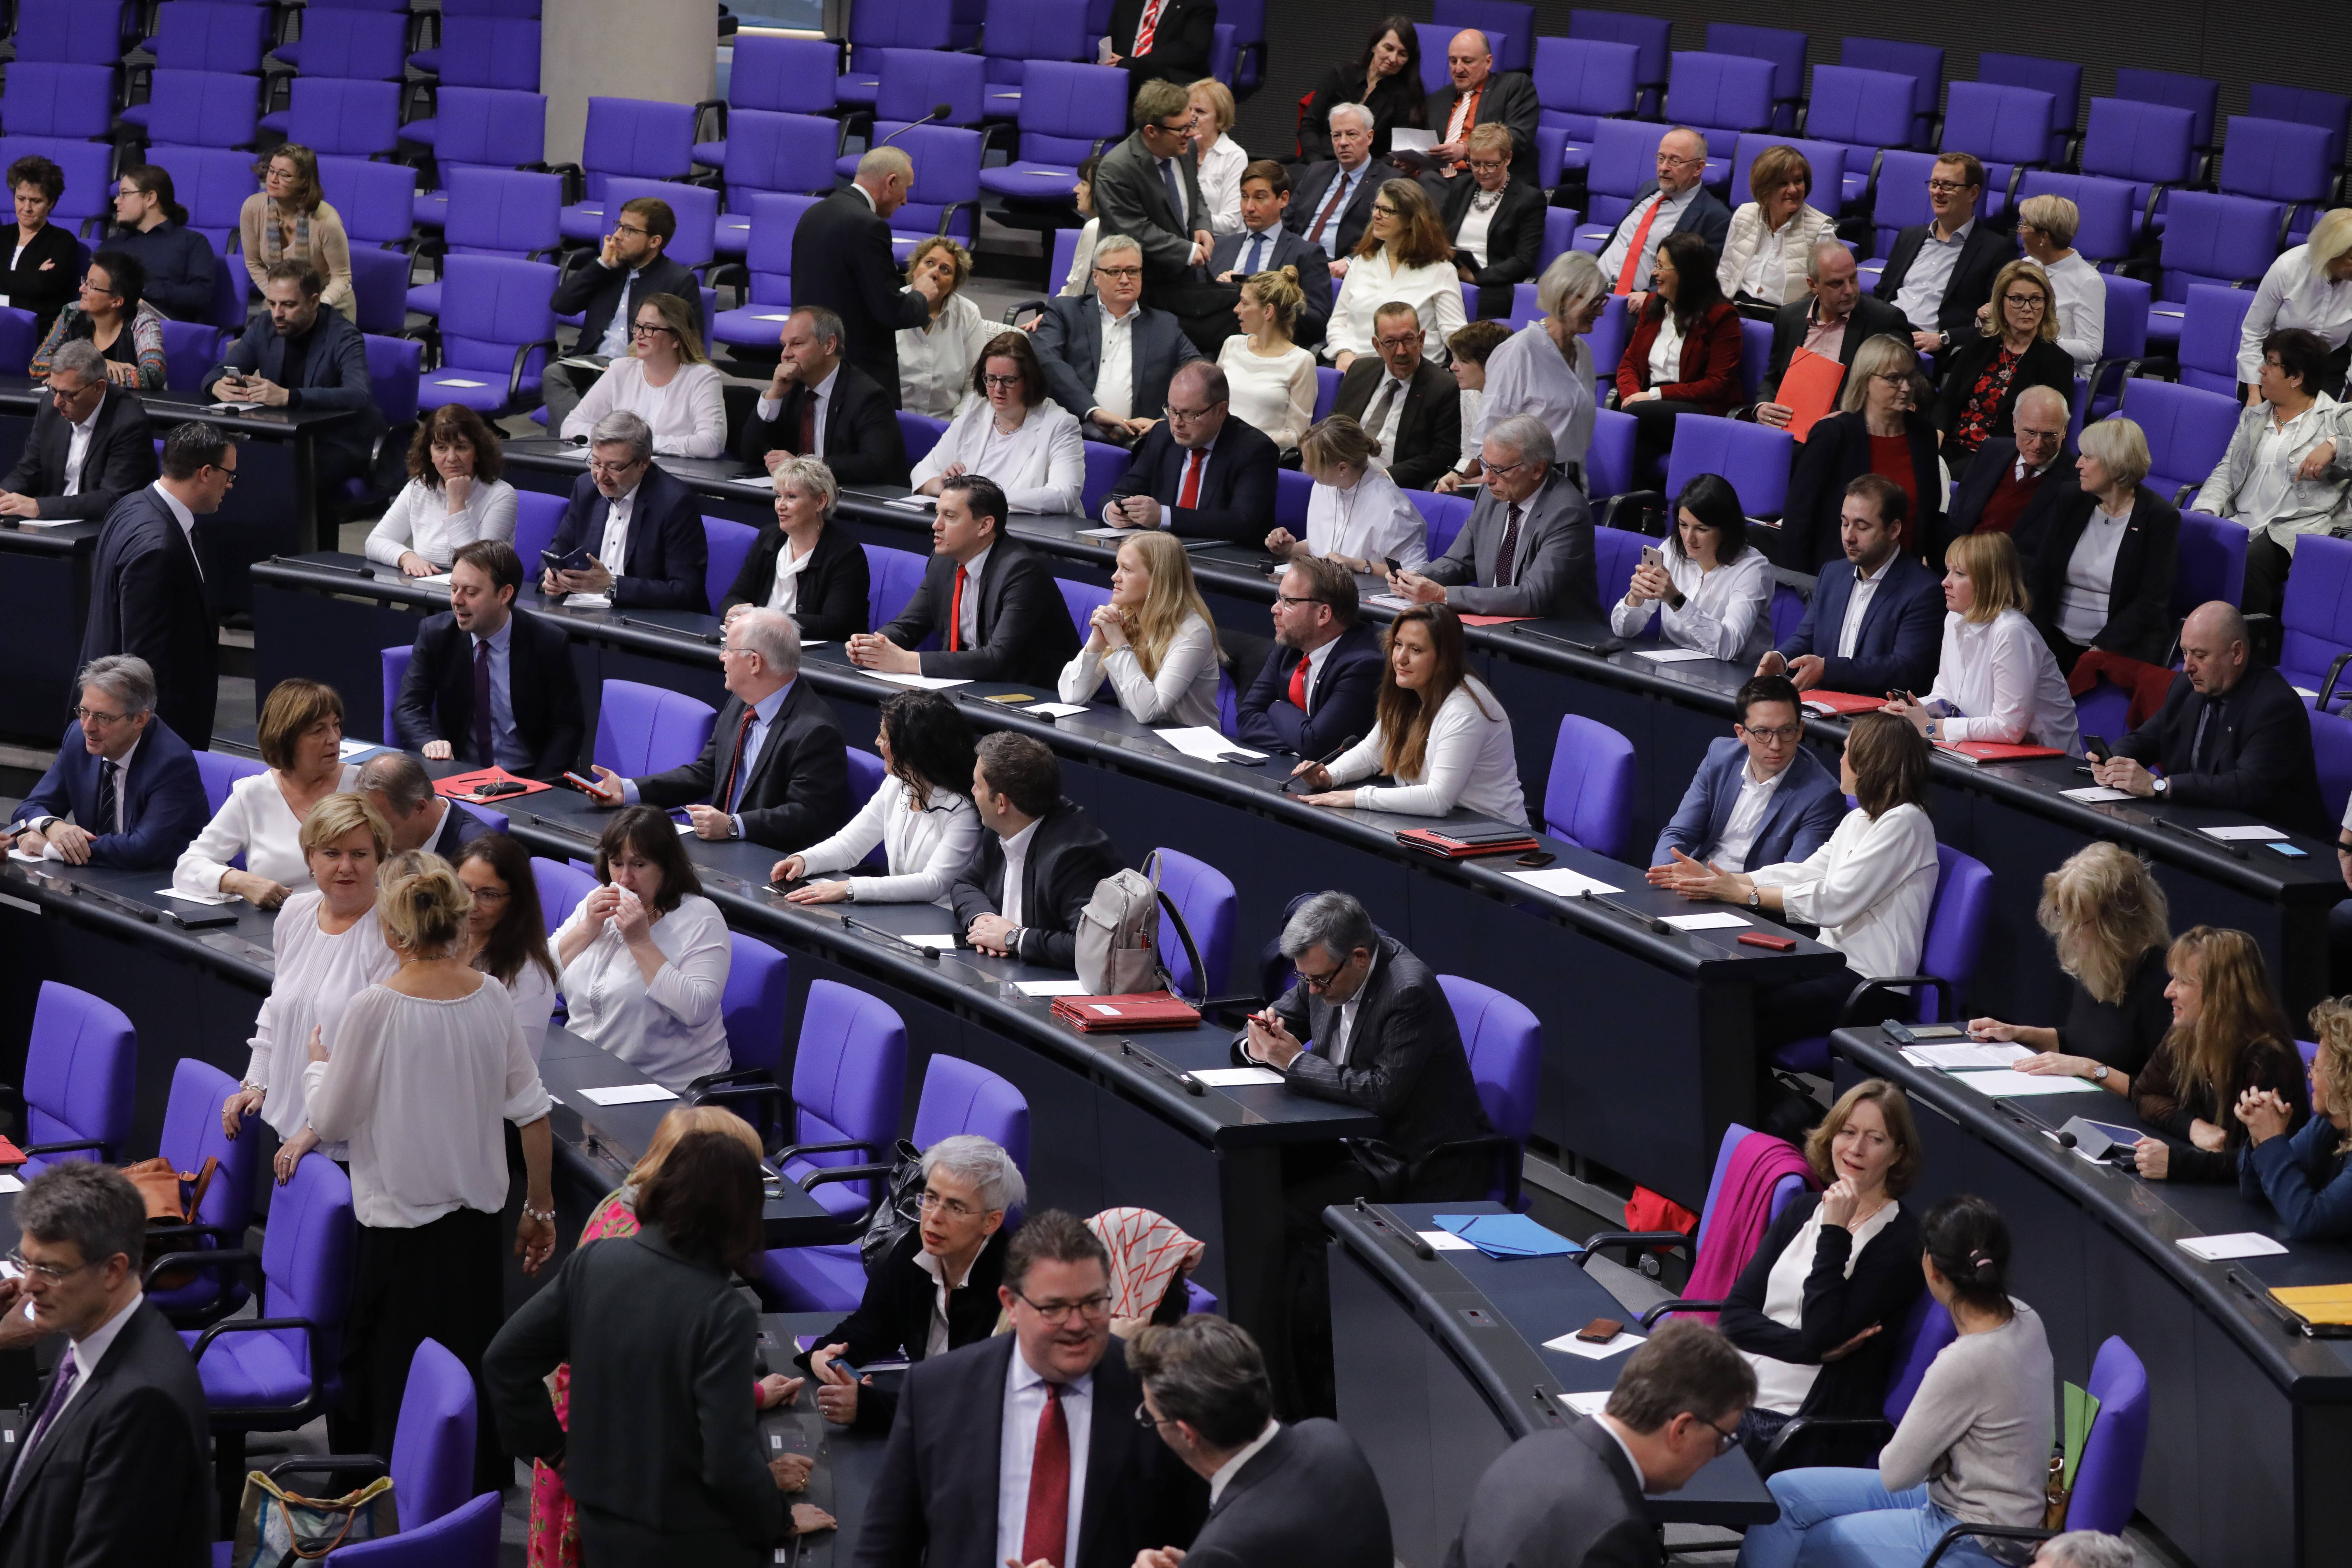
20	394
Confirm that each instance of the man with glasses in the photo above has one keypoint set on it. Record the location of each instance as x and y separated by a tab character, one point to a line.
628	269
1833	320
1200	474
1575	1495
1107	358
127	782
1149	189
90	444
1333	204
486	687
1024	1449
1411	406
819	406
1675	202
1475	96
841	261
1940	273
1319	685
1496	223
2019	485
1526	547
1759	798
299	356
636	528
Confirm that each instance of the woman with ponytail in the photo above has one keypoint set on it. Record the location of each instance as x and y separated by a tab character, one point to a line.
1973	1447
152	227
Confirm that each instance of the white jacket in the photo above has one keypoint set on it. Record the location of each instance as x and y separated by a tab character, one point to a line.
1808	229
2322	505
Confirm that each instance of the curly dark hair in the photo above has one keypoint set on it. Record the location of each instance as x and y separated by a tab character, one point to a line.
930	745
34	169
455	422
649	831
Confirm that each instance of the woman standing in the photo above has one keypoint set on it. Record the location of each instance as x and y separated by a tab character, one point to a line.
2104	567
2228	1039
1716	589
665	380
1544	371
153	226
1222	159
290	219
1355	515
41	277
1385	78
506	934
1876	430
1270	379
111	312
1405	257
937	360
1472	347
1979	393
454	495
2309	286
1081	259
1684	355
925	824
1011	432
301	738
1154	639
1773	232
1995	679
801	564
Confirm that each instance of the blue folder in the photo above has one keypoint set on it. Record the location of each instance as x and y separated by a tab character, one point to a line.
1508	1235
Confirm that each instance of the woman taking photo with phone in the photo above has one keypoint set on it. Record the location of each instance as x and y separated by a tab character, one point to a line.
1715	588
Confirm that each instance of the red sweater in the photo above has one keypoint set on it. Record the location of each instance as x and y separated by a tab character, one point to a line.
2007	501
1710	367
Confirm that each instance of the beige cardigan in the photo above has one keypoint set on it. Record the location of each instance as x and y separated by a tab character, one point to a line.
330	250
1807	229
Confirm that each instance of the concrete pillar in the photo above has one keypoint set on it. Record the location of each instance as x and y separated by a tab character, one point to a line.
621	49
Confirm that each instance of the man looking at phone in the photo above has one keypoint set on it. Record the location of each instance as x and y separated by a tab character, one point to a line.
299	357
1876	625
486	687
1759	798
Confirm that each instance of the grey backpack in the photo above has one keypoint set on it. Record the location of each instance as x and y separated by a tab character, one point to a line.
1119	934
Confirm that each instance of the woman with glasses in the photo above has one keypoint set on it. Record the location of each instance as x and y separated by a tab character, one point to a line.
666	381
2046	227
802	565
150	226
1154	640
1403	257
1877	429
1270	380
936	359
1979	393
1712	587
290	219
455	495
1355	515
113	314
927	824
506	935
300	740
1684	355
1012	433
1772	232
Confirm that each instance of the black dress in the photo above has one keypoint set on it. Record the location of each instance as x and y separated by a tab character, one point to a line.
1397	100
46	279
2168	1100
2123	1035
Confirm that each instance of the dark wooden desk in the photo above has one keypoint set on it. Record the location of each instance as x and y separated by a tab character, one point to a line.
48	573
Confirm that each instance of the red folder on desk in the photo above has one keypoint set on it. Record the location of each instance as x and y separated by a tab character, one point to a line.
461	786
1808	389
1995	751
1468	843
9	1153
1144	1010
1841	702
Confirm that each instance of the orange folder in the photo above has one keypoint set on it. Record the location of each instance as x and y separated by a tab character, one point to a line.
1808	389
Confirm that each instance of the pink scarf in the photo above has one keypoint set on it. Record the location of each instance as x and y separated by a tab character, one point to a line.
1742	1212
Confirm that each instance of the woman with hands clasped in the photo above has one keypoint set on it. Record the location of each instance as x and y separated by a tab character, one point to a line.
454	495
1716	589
927	821
1996	679
301	738
2302	1175
1011	432
2227	1037
664	379
1154	639
1355	515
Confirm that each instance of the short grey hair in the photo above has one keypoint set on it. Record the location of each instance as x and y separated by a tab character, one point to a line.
881	162
2085	1549
983	1164
621	427
1820	248
1212	377
400	778
93	1207
825	324
1334	921
126	677
78	357
810	474
775	637
1111	242
1207	1372
1525	434
1362	114
1573	280
2042	393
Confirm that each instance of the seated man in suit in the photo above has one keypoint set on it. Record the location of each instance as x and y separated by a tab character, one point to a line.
1301	1495
486	687
775	770
1835	319
2232	733
1265	244
1321	682
2017	486
1162	40
1759	798
1496	223
605	291
301	357
819	406
1940	273
397	785
1412	406
1333	204
642	528
1476	95
1038	861
982	1466
1107	358
1878	628
129	784
1200	474
1149	189
1527	546
989	600
1675	202
90	444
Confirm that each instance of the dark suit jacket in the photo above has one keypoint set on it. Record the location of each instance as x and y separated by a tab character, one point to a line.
1132	198
121	457
1982	476
458	828
1286	248
1397	100
668	553
798	792
122	1478
1069	347
862	443
894	1318
45	277
1066	859
1790	323
1513	238
2043	363
1428	431
1705	217
1986	251
1902	633
436	694
1836	452
1236	489
1553	571
1508	100
1024	631
162	799
1405	1064
1806	807
1307	1499
1564	1497
593	290
2261	762
934	1503
147	597
1186	30
1313	188
2139	595
1343	697
835	591
841	261
334	374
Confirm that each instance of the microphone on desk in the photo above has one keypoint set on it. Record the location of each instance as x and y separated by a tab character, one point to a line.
2066	1140
1336	753
939	111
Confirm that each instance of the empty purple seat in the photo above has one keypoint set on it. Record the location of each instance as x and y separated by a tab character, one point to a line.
485	51
2123	343
1720	96
2061	79
1781	46
1018	34
198	108
775	76
376	201
2280	161
432	1459
946	194
728	542
2212	326
913	83
2212	562
332	116
878	24
1066	114
1588	795
477	128
849	1079
2150	146
497	334
44	98
633	137
1579	83
1503	1043
2315	614
2212	239
644	730
82	1065
201	35
189	348
2198	94
767	268
1106	465
1923	63
362	46
1653	36
758	981
1205	899
2331	112
2006	127
499	212
2188	431
69	32
1861	110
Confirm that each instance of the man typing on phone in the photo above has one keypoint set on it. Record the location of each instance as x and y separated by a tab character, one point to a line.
486	687
298	357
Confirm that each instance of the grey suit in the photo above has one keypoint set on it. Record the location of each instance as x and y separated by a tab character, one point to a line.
1130	198
1551	569
1307	1499
1567	1498
1069	347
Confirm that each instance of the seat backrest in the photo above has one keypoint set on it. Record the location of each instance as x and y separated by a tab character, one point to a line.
1624	156
360	44
499	300
1503	1043
219	770
2106	1479
1081	600
495	127
2331	756
1650	35
536	517
212	182
1718	94
767	151
347	118
849	1073
510	212
45	99
394	365
306	1255
2144	142
1589	798
81	1069
2331	112
1956	925
757	981
192	1133
1781	46
490	51
1756	458
2212	562
920	433
644	728
2061	79
1784	1192
466	1537
2188	430
899	24
728	542
1443	515
961	1097
1064	99
893	576
2212	321
200	36
89	169
2197	94
1926	1329
916	80
561	888
190	348
394	666
1292	491
376	201
1923	63
70	34
1787	612
1859	108
1515	21
2317	612
696	208
789	76
432	1459
1105	465
866	775
2106	206
1586	76
1206	900
947	169
638	139
2278	159
1999	124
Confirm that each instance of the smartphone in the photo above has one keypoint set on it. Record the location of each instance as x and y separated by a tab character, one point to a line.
2288	851
1537	858
1653	556
585	786
2096	748
1600	1331
1390	562
492	791
576	560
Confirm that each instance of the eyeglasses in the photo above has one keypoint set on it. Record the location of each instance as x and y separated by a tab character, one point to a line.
491	895
1294	600
100	716
1946	187
1405	340
1893	378
1386	209
1166	128
1001	382
48	1271
1668	161
1318	982
1723	1441
1190	415
1121	272
1092	1309
631	229
2022	300
1488	165
611	471
1494	468
1780	735
954	1208
647	328
1148	1421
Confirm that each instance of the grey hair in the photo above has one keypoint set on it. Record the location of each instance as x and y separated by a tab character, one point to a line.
1333	921
1212	377
621	427
1358	111
2085	1549
810	474
1111	242
400	778
1820	248
93	1207
1527	436
78	357
1207	1372
775	637
882	162
982	1163
126	677
1695	134
825	324
2041	391
1573	280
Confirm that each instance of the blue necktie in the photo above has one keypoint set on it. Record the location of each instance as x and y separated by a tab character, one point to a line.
1256	257
1175	191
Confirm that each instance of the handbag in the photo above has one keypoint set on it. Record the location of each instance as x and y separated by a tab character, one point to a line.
1119	933
172	1198
897	1213
276	1528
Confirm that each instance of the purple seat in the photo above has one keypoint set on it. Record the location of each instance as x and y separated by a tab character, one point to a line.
2212	321
81	1069
1720	96
1608	460
2106	207
466	1537
849	1078
89	169
198	108
1754	458
633	137
2315	615
1923	63
1785	1191
497	334
1503	1043
1788	613
2219	239
44	98
2122	345
334	117
69	32
494	211
876	25
2331	756
2212	562
1068	113
1515	21
432	1459
358	46
477	128
1292	490
212	182
1755	355
767	272
219	770
561	888
1580	82
2188	430
202	36
2149	146
189	348
1327	391
866	775
485	51
644	730
892	575
1862	111
2198	94
913	83
2007	127
377	201
776	75
2281	160
2331	112
728	542
1205	899
696	207
1081	600
536	517
1589	798
1651	35
1443	516
393	666
1106	465
757	981
768	153
1926	1329
2105	709
920	433
1781	46
1624	157
1018	34
192	1133
2061	79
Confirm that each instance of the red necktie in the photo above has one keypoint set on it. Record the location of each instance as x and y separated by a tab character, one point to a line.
1189	495
1045	1531
1634	251
1338	189
955	615
726	801
1298	684
1144	29
808	424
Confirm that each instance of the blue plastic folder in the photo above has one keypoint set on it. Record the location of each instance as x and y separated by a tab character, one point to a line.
1508	1235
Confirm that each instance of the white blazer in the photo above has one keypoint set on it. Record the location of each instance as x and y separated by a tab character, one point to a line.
1469	762
1042	467
1434	292
688	416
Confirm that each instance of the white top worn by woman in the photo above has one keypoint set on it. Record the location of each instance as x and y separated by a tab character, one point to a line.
1042	467
935	359
1434	292
2088	590
1665	364
1183	692
419	520
1220	175
1473	400
1979	1429
928	848
1082	261
688	416
2292	294
2082	303
1766	264
673	1029
316	975
1869	889
1527	374
256	822
1371	521
418	1086
534	1004
1997	681
1275	394
1468	761
1783	1385
1725	613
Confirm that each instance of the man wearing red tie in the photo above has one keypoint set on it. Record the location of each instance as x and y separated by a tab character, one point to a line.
1162	40
1478	95
1198	473
988	601
1674	203
1024	1448
1321	682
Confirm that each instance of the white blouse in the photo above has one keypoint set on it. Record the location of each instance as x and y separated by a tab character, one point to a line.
1468	761
1370	520
316	975
1041	467
1473	401
1082	261
1869	889
418	1088
1183	692
534	1004
928	848
1528	374
2082	293
419	519
1275	394
935	359
1725	613
688	416
1996	682
1783	1385
1221	185
2294	293
1665	364
256	822
1434	292
673	1029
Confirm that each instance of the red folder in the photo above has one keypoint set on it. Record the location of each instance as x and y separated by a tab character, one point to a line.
1995	751
1808	389
1468	844
9	1153
1143	1010
461	786
1842	702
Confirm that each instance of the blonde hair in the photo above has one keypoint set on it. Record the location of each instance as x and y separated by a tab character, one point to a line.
1277	289
2031	271
957	254
1490	135
341	814
1172	596
2331	1028
1220	101
1338	441
2330	237
2103	910
2239	1012
1572	280
683	1120
2053	216
1996	577
2121	448
422	904
1881	355
1895	1109
685	322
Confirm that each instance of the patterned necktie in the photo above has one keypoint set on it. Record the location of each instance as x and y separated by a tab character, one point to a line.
1144	31
1338	192
63	1385
108	792
485	755
1046	1529
1510	549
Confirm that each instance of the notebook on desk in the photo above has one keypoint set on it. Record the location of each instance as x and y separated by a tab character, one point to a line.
1978	752
1841	702
1141	1010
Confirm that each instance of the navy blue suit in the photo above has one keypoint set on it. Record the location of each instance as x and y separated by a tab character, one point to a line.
1342	700
1805	809
668	553
1237	484
1902	631
163	798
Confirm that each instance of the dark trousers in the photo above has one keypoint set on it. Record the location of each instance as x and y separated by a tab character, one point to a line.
1804	1010
608	1540
439	1281
1654	432
2266	568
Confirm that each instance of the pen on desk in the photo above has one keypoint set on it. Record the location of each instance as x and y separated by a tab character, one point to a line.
2234	851
1336	753
924	948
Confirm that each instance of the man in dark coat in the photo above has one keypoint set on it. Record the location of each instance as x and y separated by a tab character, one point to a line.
841	261
1162	40
302	357
118	449
989	600
1476	94
640	526
819	405
530	719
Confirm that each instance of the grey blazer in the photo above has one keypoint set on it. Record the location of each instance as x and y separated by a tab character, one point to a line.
1552	569
1132	198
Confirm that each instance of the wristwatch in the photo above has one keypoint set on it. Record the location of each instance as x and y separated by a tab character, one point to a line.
2099	1073
1755	896
2162	786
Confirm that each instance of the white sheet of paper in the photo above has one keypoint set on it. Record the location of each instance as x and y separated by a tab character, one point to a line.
38	523
774	316
627	1094
348	748
1715	919
456	381
195	897
435	580
944	940
1671	655
1404	140
918	682
1590	1403
1235	1077
1562	882
2090	795
1104	532
2004	1083
48	852
1391	601
913	503
2253	832
1198	740
1050	987
11	1184
1447	1241
1969	1054
1050	710
1626	1340
2237	1243
588	601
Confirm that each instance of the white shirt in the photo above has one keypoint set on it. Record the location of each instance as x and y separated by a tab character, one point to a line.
926	849
418	1086
185	518
1746	818
1434	292
1930	273
2082	293
1669	218
419	520
1016	1451
1869	889
1473	405
1242	1456
1767	274
1724	613
1528	374
256	822
2293	293
823	392
968	618
935	359
1184	692
1783	1386
671	1030
315	976
1040	466
614	549
1082	261
688	416
1999	680
1665	363
935	1338
1468	761
2083	598
1275	393
1369	520
1219	173
1346	1030
1857	604
91	1347
1477	219
1115	372
77	446
534	1002
1016	867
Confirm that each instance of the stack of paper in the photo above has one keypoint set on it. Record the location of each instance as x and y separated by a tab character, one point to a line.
919	682
627	1094
1625	1339
1974	1054
1562	882
1506	1235
1199	741
2092	795
1672	655
2007	1083
2237	1244
1235	1077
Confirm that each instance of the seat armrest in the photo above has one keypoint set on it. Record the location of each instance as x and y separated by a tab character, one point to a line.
1635	1241
1998	1532
1883	981
1677	1305
317	1464
313	1401
32	1149
231	1256
842	1147
825	1173
522	357
1798	1427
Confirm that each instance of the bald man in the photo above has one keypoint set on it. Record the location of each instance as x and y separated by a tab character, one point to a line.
841	260
1477	94
1672	202
2018	483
